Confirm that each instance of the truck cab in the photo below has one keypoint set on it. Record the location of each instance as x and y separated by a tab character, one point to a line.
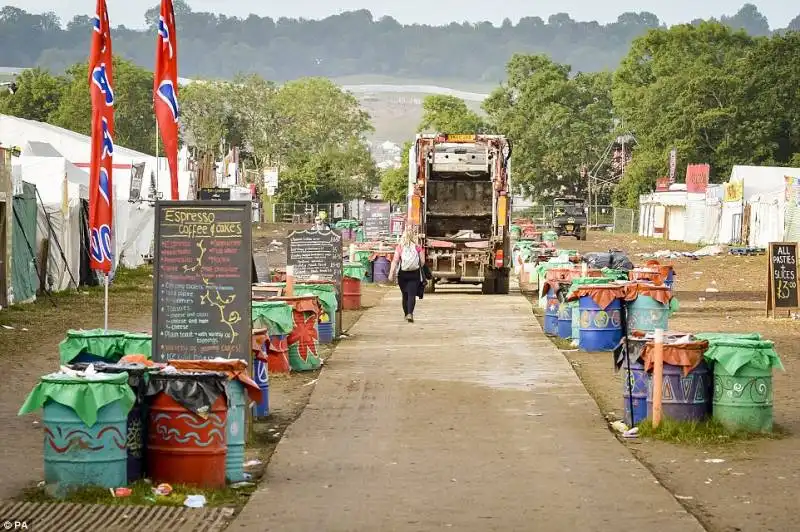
459	199
570	217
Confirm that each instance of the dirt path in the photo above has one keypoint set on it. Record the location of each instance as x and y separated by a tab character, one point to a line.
476	423
755	488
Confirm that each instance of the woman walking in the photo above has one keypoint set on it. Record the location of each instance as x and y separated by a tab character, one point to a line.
407	264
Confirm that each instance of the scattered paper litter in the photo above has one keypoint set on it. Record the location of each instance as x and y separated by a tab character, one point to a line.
8	327
252	463
195	501
714	461
309	383
684	497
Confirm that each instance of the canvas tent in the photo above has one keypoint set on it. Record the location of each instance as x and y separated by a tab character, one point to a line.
757	212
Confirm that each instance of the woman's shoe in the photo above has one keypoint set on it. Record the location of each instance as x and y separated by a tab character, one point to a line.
410	318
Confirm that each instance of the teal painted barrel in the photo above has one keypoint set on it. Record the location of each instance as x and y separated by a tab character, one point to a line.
743	401
564	320
576	321
647	314
743	365
237	403
77	455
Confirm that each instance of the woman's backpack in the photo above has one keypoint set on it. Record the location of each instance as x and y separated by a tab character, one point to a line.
409	259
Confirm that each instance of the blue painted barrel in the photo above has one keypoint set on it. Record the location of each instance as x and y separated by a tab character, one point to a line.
78	455
325	330
261	377
686	398
564	320
235	429
380	270
551	313
600	328
647	314
635	384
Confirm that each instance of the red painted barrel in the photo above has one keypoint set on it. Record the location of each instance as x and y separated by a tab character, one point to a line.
351	291
184	448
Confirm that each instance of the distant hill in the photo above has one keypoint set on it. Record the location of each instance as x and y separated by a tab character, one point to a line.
349	44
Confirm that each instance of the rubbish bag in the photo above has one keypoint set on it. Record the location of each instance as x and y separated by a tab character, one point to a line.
613	259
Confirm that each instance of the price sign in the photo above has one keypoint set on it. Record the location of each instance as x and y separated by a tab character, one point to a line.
782	289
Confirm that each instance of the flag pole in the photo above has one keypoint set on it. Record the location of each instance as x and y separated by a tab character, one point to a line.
105	320
158	164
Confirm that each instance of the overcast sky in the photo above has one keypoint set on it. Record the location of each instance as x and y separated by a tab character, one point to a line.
131	12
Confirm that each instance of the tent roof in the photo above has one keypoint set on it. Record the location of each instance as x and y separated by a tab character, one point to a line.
32	126
762	179
40	149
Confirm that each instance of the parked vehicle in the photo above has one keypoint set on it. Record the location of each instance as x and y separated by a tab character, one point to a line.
570	217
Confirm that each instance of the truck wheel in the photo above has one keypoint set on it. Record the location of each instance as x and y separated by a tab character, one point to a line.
487	288
502	283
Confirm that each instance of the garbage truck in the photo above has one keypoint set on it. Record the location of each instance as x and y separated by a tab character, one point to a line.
459	199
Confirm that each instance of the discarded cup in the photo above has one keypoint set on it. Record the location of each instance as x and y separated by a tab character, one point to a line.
162	489
122	492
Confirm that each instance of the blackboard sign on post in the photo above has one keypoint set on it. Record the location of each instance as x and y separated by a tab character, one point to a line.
316	255
223	194
201	288
377	219
782	289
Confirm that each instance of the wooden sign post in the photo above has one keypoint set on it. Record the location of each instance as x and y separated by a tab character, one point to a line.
782	289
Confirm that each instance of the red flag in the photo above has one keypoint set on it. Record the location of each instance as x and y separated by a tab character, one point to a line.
101	82
165	89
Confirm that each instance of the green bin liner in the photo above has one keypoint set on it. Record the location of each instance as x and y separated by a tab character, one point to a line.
355	270
98	342
275	316
137	344
346	224
85	395
326	294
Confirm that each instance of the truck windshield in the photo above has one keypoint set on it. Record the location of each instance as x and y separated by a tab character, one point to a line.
569	210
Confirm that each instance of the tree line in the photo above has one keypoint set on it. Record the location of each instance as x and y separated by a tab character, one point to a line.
351	43
309	128
716	95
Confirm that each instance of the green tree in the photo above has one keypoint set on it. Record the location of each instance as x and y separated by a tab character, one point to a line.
133	108
320	115
263	127
680	87
449	114
557	123
37	96
394	181
207	116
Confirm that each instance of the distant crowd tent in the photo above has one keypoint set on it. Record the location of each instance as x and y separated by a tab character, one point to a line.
757	205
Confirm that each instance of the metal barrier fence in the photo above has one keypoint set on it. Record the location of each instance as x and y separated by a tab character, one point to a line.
304	213
599	216
626	221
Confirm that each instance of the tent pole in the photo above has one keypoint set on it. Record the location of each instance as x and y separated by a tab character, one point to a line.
105	313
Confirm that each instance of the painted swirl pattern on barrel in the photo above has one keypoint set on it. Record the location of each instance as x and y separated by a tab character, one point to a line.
758	389
83	439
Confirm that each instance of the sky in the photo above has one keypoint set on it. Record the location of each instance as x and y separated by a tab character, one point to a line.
131	12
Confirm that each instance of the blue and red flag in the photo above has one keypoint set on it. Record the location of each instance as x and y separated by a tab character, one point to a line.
165	89
101	83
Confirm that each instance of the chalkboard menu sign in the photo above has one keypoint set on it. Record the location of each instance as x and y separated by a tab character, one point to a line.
215	194
315	255
782	290
201	289
377	216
